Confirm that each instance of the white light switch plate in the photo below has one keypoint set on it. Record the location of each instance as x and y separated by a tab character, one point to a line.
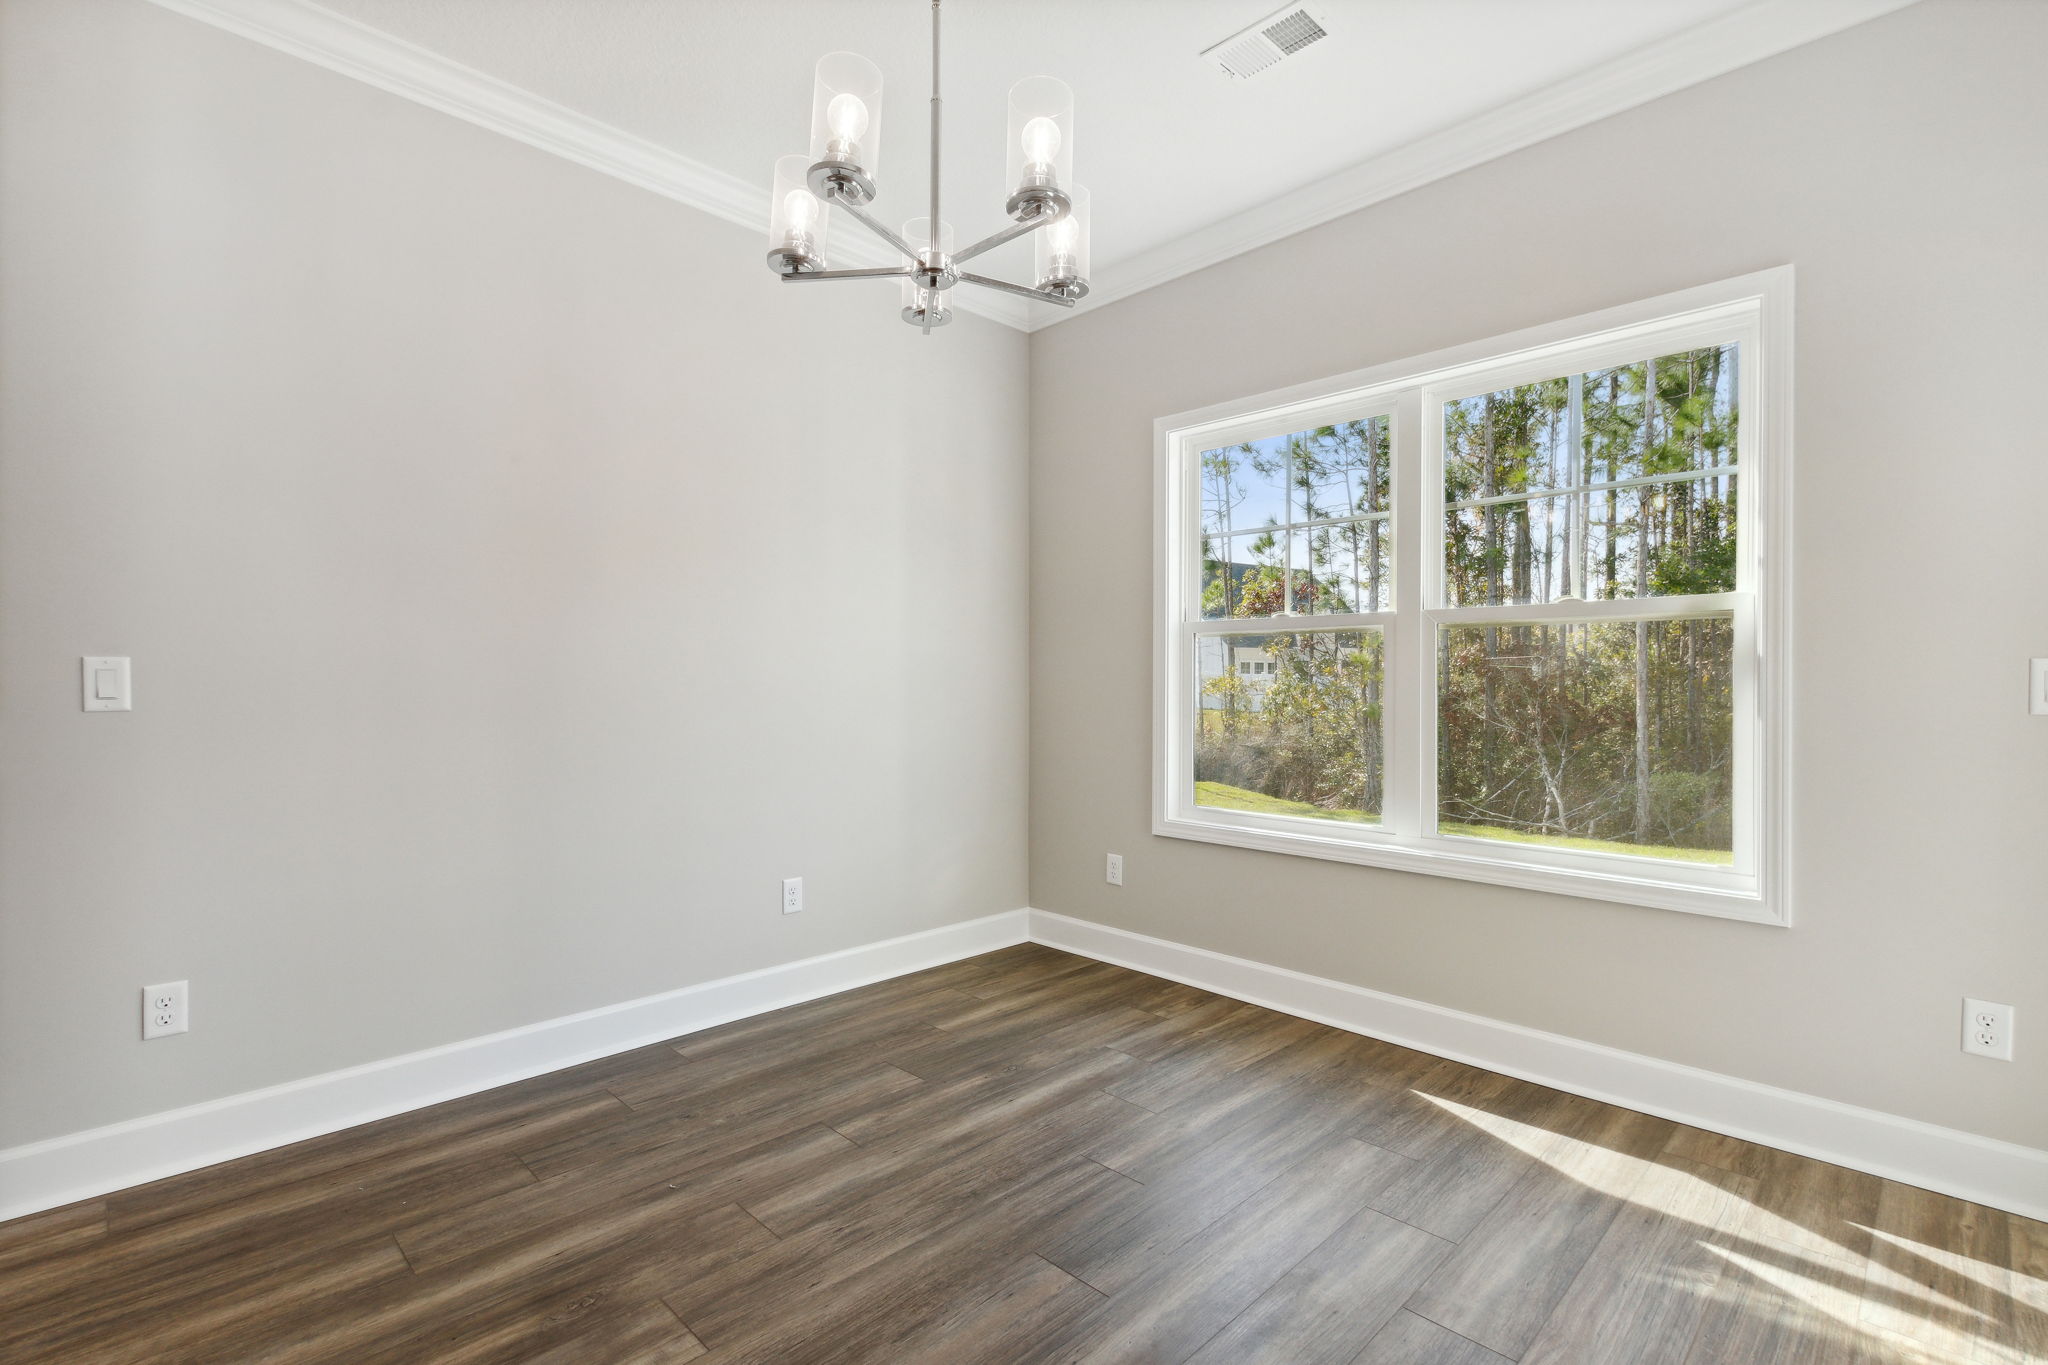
2037	687
104	684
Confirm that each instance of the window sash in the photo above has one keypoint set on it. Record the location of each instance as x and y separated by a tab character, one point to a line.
1736	608
1416	814
1750	313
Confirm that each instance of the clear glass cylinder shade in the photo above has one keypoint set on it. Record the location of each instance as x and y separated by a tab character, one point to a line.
846	111
1062	249
1041	133
798	220
917	232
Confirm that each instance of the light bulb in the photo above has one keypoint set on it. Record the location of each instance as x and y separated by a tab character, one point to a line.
1041	140
1062	255
847	116
801	211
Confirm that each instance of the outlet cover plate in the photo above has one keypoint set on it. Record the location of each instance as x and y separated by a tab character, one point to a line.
1987	1029
166	1009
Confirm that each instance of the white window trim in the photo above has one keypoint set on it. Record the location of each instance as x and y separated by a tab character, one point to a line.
1753	310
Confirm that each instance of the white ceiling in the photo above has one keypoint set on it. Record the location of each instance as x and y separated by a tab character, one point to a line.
1168	145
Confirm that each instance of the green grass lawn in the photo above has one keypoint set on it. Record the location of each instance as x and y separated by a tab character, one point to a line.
1219	796
1237	798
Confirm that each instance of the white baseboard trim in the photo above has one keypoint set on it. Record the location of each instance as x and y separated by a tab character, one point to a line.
83	1165
2002	1175
43	1175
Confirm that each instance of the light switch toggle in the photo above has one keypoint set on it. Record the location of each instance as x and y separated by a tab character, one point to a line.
106	684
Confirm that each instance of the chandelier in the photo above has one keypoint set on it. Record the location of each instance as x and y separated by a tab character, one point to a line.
839	174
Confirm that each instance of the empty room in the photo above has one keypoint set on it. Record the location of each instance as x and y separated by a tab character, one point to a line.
1013	682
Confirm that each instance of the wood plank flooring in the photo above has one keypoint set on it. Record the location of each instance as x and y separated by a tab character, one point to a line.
1025	1157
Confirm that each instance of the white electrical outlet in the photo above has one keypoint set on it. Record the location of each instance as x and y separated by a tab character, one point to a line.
1987	1029
792	895
165	1009
1114	871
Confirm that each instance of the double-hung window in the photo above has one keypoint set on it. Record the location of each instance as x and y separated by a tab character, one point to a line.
1512	612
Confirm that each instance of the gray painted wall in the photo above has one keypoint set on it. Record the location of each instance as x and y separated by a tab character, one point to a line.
1899	167
513	602
512	608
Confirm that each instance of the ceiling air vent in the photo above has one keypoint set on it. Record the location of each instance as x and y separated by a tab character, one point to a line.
1278	35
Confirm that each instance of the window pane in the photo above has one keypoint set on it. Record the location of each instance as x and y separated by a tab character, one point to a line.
1615	736
1244	575
1298	732
1327	473
1592	545
1513	441
1244	487
1346	567
1341	471
1690	425
1518	551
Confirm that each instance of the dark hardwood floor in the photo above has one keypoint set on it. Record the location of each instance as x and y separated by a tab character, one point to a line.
1025	1157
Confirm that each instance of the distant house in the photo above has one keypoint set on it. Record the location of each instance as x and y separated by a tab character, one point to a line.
1254	667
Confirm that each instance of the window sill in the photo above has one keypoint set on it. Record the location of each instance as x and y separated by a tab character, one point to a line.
1726	895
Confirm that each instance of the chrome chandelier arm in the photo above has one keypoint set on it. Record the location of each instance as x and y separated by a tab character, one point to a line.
1042	295
874	225
1008	234
879	272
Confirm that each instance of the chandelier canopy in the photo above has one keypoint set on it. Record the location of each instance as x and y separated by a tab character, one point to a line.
840	173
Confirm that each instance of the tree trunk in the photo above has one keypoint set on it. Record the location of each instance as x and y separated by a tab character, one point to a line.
1576	508
1643	627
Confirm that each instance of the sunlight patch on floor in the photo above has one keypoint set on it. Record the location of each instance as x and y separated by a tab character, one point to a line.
1994	1278
1656	1185
1844	1307
1905	1301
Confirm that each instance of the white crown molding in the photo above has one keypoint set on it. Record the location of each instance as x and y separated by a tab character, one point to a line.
1684	59
1984	1170
61	1170
341	44
370	55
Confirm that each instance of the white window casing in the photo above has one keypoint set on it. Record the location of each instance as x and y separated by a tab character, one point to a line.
1754	312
